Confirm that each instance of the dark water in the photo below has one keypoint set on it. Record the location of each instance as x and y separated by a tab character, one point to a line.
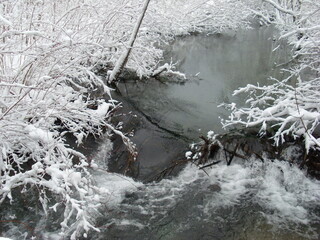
216	65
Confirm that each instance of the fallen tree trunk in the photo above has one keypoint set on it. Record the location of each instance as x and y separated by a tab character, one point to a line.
125	55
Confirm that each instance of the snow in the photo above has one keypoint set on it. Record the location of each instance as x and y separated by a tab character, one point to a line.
5	21
39	134
49	64
188	154
102	109
211	135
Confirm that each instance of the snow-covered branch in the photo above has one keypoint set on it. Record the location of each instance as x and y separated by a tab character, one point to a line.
280	8
290	110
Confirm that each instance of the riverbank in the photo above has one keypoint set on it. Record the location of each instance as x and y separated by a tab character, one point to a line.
49	83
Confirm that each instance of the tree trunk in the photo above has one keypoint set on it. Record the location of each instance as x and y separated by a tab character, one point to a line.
125	55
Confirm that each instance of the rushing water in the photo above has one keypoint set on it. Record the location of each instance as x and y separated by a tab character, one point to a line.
251	200
247	200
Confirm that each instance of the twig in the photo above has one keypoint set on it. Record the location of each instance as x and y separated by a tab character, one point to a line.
15	104
302	122
210	164
232	155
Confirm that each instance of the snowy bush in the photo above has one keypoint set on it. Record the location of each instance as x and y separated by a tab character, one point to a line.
290	109
49	54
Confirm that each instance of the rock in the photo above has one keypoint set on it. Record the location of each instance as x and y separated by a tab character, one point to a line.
214	187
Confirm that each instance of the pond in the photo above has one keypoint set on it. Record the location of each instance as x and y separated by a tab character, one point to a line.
174	112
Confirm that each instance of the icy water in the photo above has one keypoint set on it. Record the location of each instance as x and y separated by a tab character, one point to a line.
247	200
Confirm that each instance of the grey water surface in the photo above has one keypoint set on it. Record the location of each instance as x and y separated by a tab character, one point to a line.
173	112
215	66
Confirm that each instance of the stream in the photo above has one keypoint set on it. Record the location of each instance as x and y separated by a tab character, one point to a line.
248	200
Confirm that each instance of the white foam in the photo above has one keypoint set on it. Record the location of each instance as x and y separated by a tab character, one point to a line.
284	192
288	192
115	186
102	156
125	222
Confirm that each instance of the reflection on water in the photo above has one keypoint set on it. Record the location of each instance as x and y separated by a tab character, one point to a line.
222	63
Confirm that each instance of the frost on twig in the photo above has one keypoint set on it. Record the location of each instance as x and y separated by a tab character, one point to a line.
167	70
125	55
